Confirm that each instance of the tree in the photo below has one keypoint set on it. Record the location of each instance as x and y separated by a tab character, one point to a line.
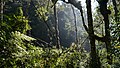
105	12
56	28
94	58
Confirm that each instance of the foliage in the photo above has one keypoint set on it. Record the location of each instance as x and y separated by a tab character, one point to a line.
17	43
115	32
103	58
13	28
17	50
72	58
16	21
37	57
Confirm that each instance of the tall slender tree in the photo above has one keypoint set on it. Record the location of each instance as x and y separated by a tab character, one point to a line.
56	28
94	59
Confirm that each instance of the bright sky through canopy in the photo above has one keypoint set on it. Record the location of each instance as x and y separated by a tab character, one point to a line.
83	2
93	3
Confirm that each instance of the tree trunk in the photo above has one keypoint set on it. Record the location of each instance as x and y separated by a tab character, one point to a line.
105	13
94	57
95	62
108	40
56	28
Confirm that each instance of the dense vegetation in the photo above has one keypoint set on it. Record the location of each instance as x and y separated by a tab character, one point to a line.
54	34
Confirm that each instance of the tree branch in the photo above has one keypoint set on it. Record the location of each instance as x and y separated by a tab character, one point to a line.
51	32
102	39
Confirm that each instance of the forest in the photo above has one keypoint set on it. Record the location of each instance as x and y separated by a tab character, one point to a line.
59	34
